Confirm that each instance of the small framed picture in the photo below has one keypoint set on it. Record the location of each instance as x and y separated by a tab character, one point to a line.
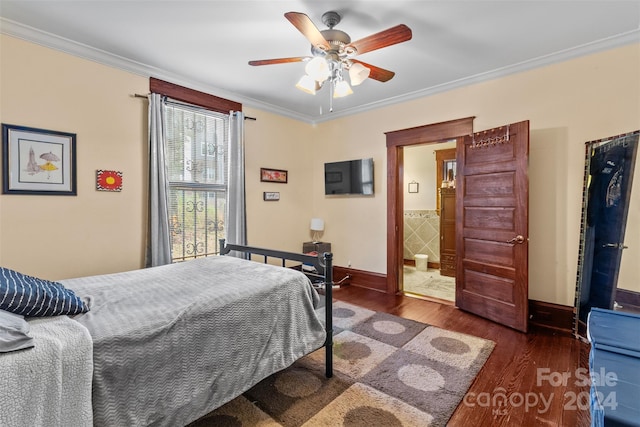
273	175
271	196
413	187
38	161
108	180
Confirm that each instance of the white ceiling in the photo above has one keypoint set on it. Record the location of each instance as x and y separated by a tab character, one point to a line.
206	45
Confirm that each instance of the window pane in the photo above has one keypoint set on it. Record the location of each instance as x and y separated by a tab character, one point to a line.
196	165
196	145
197	222
449	170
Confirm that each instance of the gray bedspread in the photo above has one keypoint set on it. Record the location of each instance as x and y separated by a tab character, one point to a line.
172	343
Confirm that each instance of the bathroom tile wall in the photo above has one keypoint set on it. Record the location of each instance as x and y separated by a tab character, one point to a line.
422	234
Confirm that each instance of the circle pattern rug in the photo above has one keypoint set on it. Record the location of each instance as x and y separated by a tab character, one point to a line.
388	371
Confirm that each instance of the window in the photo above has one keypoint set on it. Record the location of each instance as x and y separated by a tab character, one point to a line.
197	172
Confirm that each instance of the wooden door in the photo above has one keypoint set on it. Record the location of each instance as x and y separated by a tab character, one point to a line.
492	198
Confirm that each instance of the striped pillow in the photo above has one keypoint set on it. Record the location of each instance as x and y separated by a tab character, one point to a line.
33	297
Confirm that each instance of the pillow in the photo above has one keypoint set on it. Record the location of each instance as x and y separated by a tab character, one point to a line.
33	297
14	332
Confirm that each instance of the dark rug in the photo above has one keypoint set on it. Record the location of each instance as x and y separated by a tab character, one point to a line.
388	371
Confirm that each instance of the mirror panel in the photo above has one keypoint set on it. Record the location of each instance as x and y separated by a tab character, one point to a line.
609	225
629	278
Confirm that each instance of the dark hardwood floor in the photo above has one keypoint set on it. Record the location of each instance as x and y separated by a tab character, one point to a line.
534	379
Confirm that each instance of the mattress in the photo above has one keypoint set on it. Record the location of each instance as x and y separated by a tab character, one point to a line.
172	343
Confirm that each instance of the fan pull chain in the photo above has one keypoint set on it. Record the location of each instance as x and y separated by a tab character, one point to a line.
331	96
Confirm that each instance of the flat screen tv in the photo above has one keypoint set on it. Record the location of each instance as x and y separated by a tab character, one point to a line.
349	177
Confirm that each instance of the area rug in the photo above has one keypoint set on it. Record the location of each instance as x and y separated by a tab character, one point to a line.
388	371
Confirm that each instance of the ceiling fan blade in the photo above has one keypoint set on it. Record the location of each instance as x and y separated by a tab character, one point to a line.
394	35
308	29
377	73
279	60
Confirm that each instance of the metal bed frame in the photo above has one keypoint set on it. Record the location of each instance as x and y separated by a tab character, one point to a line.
321	279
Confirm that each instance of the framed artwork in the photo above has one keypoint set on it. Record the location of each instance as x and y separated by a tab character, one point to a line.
273	175
413	187
38	161
108	180
271	196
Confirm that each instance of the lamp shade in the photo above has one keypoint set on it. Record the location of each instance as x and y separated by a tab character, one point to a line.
317	224
307	84
342	89
318	69
358	73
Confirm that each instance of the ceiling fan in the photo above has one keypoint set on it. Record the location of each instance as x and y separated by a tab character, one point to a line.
333	54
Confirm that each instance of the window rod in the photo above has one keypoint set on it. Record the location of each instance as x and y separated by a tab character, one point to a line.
138	95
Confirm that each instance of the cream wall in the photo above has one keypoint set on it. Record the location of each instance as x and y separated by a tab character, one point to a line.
277	142
420	166
57	237
567	104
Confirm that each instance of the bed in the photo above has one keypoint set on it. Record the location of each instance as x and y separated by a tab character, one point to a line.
172	343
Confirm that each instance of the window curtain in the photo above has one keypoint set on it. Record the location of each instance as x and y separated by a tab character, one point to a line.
159	238
236	221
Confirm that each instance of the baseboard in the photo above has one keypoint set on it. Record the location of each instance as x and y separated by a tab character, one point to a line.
412	263
361	278
628	299
556	317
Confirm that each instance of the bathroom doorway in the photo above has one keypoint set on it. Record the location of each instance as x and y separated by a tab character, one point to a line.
428	266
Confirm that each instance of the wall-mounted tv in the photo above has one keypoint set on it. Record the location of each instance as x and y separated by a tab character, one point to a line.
349	177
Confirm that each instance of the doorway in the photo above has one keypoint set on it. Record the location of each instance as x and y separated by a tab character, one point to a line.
428	268
491	215
396	142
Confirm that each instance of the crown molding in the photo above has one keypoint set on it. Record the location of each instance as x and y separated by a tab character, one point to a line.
43	38
71	47
557	57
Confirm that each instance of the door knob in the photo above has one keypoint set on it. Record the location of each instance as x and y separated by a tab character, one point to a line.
518	239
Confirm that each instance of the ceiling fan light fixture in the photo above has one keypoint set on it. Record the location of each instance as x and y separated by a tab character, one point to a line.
331	55
307	84
341	89
358	73
318	68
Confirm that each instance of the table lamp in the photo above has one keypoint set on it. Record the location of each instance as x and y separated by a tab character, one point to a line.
317	226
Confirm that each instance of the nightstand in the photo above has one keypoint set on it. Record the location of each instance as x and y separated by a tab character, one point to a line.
319	247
